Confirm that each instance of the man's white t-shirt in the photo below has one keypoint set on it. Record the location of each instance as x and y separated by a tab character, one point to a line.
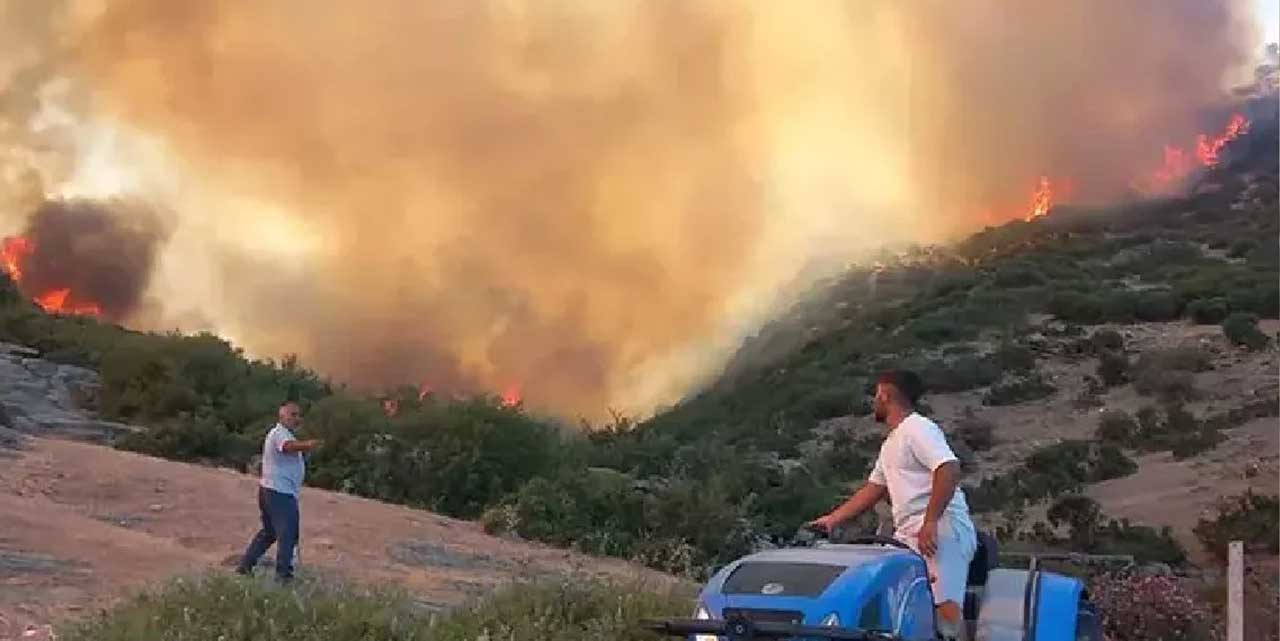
908	457
281	471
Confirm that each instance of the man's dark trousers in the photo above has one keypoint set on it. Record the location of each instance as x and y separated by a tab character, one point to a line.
279	526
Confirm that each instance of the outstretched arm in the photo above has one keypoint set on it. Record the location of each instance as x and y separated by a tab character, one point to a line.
291	446
864	499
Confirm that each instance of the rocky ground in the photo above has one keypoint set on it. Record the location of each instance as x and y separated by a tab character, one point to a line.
84	524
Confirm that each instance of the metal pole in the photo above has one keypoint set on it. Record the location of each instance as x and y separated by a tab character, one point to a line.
1235	591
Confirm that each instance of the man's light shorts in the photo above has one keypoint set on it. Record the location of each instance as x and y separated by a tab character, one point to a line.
949	566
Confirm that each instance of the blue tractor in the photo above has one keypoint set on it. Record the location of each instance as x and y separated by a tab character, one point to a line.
877	588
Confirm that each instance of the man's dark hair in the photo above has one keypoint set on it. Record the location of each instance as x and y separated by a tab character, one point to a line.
906	382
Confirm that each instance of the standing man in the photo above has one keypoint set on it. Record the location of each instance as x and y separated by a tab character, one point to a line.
282	472
920	474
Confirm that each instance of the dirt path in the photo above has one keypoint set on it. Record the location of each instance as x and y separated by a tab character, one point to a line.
84	524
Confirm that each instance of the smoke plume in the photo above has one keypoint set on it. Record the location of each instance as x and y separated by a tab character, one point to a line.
99	254
591	201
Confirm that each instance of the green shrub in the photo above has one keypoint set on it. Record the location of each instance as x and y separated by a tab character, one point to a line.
1146	544
1111	463
1107	340
1170	386
1011	357
1048	472
1242	329
1018	275
1241	248
1077	307
1156	306
961	374
1080	513
1210	311
198	439
1117	428
1252	518
1113	369
1018	390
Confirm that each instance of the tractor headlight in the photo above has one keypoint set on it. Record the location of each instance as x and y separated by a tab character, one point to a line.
703	614
830	621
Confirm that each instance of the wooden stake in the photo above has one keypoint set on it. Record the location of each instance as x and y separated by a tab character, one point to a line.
1235	591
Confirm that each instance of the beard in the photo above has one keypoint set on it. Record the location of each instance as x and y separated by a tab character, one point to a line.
881	414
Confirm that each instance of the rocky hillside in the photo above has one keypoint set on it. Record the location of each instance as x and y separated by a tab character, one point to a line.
39	397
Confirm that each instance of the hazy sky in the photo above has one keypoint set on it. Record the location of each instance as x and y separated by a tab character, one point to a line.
1269	16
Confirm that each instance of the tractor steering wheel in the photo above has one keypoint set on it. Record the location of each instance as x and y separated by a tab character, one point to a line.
882	540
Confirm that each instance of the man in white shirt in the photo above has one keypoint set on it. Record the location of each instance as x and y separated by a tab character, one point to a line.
920	474
282	473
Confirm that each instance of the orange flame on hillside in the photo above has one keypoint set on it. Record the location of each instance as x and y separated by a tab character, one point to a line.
1179	163
14	250
1207	149
1041	200
511	396
59	301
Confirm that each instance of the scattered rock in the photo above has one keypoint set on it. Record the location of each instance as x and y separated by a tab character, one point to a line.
425	554
16	563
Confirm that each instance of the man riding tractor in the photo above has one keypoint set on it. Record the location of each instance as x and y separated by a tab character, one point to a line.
920	474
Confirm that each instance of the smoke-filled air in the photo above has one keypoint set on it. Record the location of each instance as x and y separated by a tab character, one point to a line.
585	204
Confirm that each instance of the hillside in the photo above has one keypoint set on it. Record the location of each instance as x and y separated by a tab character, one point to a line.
86	525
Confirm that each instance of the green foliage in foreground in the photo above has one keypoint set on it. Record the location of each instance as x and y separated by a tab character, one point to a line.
224	608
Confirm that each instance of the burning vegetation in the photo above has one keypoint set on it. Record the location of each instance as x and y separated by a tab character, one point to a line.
1179	164
83	258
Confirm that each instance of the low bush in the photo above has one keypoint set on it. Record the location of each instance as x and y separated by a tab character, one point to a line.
1252	518
1242	329
1107	340
1156	306
1018	390
961	374
1208	311
1049	472
1117	428
1113	369
1169	386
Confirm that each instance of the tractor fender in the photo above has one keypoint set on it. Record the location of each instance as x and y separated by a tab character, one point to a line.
1024	605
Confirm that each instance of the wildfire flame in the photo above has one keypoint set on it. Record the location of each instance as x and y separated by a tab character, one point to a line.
1207	149
511	396
1041	200
12	251
1179	163
59	300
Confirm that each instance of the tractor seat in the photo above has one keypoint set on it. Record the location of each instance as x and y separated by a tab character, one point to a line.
984	560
